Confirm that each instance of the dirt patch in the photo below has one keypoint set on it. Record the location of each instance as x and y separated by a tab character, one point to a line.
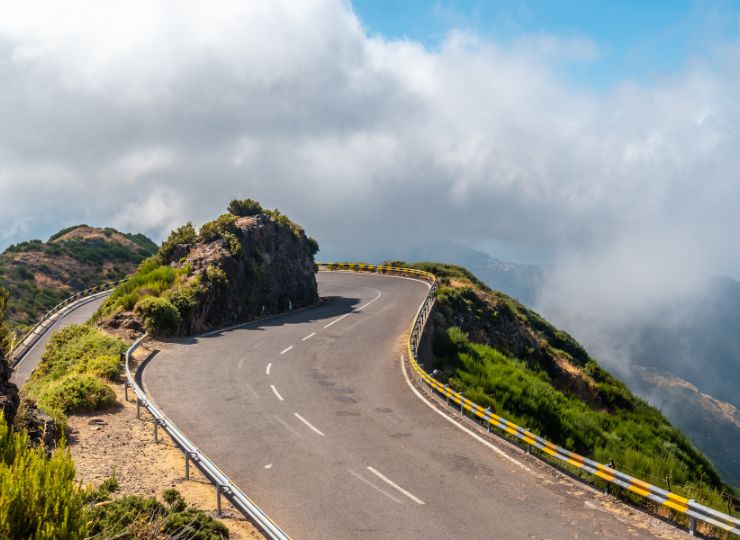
115	441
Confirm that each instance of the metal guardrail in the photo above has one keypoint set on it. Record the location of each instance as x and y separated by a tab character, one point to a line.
224	486
50	317
691	508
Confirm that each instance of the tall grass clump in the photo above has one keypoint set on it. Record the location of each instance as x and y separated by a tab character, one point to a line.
38	495
78	362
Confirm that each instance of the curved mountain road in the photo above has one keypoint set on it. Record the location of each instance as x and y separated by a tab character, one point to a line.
310	413
80	314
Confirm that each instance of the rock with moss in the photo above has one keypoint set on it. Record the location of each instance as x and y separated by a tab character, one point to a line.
236	269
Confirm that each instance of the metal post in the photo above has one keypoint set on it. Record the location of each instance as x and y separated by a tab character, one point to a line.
447	395
692	526
138	409
462	402
488	420
125	390
187	465
218	500
156	425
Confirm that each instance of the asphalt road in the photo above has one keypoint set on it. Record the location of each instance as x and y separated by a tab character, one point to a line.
311	415
32	358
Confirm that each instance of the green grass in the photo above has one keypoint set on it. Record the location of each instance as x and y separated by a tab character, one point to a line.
78	362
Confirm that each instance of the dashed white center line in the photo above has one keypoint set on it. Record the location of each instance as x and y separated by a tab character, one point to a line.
396	486
311	426
337	320
376	488
309	336
267	369
274	390
286	350
355	310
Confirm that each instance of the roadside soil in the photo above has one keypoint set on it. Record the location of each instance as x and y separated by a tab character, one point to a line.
115	442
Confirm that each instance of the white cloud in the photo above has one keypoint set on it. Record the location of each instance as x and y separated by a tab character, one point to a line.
157	113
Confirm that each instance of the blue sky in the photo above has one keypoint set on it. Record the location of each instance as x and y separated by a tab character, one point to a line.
636	40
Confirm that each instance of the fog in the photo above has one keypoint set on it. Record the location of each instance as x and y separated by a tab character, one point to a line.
145	115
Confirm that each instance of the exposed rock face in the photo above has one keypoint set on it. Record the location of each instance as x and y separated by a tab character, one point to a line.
235	270
8	391
271	272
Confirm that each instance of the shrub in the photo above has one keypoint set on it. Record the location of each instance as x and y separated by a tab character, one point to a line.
217	276
70	376
215	229
106	367
184	299
146	517
75	393
160	316
38	494
313	246
182	235
245	207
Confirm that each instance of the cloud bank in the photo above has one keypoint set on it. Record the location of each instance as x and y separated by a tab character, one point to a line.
143	115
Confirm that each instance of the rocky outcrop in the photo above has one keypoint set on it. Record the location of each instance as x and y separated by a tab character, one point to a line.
8	391
270	270
236	269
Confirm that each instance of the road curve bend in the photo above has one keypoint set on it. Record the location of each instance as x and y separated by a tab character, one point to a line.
310	414
80	314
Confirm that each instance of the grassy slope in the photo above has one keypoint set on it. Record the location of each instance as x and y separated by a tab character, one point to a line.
505	356
38	275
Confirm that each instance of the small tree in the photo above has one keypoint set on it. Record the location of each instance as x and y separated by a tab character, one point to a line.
245	207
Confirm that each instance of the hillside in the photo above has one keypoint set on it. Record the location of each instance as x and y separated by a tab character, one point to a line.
38	275
505	356
245	264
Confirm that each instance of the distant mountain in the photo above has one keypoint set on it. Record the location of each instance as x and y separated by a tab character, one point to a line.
520	281
40	274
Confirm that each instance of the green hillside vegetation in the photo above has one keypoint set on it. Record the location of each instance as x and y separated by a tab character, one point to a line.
39	275
164	294
507	357
74	372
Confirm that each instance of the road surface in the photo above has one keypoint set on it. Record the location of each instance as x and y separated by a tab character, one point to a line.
311	415
32	358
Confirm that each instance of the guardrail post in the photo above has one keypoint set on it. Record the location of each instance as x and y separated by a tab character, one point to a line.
187	465
487	420
462	403
218	500
138	409
125	390
446	394
156	425
692	522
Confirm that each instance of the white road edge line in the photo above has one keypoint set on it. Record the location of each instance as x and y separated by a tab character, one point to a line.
274	390
309	336
376	488
466	430
286	350
311	426
267	369
390	482
356	309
